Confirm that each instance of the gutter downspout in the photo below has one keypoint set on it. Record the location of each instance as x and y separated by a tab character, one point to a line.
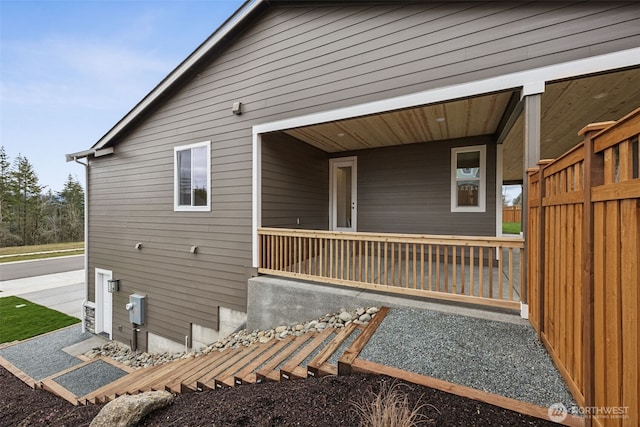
86	239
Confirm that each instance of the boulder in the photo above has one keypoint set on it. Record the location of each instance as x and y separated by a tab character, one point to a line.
127	411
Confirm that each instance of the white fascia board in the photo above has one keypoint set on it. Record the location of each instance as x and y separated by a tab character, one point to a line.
176	74
532	80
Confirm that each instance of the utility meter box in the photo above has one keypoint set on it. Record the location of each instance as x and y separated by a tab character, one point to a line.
136	308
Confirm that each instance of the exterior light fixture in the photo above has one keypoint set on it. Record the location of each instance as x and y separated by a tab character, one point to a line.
237	108
113	285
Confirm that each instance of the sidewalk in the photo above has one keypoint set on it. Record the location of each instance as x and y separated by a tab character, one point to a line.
63	292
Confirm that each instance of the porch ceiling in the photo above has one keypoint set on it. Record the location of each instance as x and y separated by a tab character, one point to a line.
567	107
457	119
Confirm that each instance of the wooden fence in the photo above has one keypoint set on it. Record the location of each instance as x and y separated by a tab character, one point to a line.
459	268
511	214
583	254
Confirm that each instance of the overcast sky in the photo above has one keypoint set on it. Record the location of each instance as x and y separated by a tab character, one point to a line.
69	70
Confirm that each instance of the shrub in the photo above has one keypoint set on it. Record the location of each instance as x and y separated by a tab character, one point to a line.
390	407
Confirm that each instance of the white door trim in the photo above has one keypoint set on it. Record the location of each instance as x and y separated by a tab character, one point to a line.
103	318
333	163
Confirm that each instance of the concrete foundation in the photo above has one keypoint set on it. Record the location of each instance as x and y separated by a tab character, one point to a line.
274	301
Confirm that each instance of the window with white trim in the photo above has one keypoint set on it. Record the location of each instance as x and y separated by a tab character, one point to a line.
192	177
468	179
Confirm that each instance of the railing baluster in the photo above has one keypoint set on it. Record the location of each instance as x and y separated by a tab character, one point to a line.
415	277
446	268
500	274
385	264
462	278
471	282
366	261
481	270
438	267
510	274
490	263
454	268
430	267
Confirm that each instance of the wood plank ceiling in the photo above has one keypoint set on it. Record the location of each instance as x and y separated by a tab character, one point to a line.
567	106
457	119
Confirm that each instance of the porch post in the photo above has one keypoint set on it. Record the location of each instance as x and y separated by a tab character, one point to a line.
532	97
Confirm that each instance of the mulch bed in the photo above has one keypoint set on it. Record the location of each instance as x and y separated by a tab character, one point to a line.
325	401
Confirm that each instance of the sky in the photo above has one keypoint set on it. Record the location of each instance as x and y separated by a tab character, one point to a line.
69	70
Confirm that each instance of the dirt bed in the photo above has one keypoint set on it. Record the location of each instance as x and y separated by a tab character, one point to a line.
313	402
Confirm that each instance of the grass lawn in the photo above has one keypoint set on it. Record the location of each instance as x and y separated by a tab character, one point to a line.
511	228
28	321
14	253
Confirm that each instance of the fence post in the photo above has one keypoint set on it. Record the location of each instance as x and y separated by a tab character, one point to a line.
593	176
541	244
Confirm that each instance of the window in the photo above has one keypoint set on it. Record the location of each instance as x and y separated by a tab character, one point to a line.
468	179
192	171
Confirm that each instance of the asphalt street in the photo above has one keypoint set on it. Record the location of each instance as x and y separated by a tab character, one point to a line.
41	267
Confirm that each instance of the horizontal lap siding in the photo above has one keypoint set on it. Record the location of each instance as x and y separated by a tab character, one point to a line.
407	189
289	61
295	184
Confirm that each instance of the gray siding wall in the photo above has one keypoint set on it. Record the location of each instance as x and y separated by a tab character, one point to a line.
407	189
290	61
295	184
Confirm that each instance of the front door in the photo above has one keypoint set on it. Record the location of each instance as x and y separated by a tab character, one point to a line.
104	303
343	194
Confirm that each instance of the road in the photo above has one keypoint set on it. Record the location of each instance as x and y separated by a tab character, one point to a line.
41	267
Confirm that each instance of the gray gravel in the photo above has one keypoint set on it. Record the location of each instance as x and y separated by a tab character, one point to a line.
90	377
42	356
496	357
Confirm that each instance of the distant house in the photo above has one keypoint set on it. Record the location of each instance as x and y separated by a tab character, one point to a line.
373	122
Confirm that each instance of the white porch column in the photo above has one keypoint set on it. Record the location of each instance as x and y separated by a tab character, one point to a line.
532	96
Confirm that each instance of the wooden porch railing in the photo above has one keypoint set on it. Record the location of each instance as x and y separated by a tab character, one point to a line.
447	267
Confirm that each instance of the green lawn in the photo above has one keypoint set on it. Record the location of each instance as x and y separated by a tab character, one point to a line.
18	322
511	228
14	253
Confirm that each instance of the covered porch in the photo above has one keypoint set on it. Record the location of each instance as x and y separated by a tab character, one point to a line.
383	196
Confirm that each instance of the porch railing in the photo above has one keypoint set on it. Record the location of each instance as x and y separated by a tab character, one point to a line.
483	270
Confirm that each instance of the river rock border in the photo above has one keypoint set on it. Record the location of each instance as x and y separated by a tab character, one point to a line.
137	359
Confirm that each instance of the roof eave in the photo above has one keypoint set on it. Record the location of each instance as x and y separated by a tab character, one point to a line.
229	25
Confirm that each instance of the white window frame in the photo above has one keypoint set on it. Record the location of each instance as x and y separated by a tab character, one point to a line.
176	181
482	193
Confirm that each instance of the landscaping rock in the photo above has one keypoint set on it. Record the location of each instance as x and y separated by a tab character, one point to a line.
138	359
127	411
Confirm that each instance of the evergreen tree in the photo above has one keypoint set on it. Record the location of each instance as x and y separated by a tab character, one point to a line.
26	200
72	210
7	237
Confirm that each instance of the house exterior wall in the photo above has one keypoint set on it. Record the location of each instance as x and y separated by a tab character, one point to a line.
407	189
290	61
295	184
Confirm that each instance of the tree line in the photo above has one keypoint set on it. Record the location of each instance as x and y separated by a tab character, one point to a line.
31	216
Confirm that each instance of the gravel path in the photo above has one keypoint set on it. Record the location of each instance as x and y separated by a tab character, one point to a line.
89	378
496	357
42	356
